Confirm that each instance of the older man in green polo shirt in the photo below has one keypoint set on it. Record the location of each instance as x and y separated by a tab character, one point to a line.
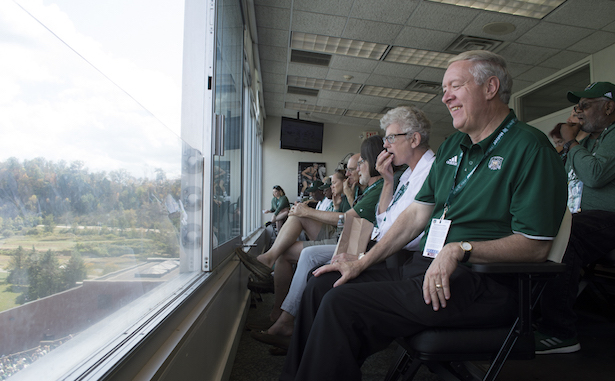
496	192
591	198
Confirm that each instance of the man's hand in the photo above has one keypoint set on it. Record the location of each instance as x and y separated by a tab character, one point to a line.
349	270
300	210
344	257
384	165
436	286
570	131
349	189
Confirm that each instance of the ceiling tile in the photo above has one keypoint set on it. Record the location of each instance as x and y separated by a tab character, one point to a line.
354	122
273	98
308	22
386	81
274	3
273	66
553	35
594	43
371	31
310	71
536	73
330	7
273	88
398	70
444	17
325	94
357	64
424	39
273	53
369	100
563	59
274	18
273	37
431	74
332	103
526	54
278	79
584	13
522	25
610	27
390	11
516	69
338	75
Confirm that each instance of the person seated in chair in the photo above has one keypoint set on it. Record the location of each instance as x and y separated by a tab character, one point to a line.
406	143
316	194
483	201
590	165
319	226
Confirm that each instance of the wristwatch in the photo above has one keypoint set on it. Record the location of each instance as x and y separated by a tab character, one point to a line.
567	145
467	250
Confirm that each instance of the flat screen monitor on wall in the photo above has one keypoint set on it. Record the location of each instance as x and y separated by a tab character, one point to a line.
301	135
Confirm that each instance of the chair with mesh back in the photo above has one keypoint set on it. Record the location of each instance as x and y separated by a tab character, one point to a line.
450	351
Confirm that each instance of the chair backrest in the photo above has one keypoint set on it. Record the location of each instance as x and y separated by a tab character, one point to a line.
560	242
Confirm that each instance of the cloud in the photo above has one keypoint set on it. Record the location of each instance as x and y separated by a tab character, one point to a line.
54	104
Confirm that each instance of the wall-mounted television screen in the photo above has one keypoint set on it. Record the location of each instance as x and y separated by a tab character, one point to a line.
301	135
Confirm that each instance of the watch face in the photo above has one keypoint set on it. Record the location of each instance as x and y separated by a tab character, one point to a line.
466	246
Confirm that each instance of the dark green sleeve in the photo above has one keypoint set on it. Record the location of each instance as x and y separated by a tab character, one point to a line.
366	207
282	204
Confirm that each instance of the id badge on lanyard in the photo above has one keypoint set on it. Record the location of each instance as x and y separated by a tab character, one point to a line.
436	237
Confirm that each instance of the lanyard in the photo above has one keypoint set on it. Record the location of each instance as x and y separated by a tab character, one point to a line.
367	190
456	189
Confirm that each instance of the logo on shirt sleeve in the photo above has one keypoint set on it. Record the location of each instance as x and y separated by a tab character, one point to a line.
495	163
452	161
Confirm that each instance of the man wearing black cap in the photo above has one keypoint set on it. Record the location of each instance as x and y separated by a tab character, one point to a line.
590	166
316	194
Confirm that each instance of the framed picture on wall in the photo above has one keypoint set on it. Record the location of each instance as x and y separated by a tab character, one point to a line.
307	173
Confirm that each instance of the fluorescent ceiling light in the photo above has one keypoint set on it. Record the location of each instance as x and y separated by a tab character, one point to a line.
363	114
418	57
530	8
323	84
388	92
336	45
314	108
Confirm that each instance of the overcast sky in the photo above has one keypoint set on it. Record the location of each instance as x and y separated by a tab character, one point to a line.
56	104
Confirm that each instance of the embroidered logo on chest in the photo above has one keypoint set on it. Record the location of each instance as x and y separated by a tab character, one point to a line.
495	163
452	161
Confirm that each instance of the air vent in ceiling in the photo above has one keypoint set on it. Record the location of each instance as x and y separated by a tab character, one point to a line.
302	91
424	86
310	58
465	43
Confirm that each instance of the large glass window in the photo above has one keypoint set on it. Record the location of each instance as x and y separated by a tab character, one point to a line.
94	177
227	160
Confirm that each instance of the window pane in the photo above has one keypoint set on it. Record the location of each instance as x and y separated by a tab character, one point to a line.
226	218
552	96
93	174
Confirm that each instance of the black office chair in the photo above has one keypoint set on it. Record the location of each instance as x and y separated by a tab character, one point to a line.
600	277
449	351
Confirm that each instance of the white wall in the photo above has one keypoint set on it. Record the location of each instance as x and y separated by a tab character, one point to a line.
280	165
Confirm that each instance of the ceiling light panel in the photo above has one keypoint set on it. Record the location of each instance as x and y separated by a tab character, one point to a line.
363	114
529	8
323	84
388	92
336	45
314	108
400	54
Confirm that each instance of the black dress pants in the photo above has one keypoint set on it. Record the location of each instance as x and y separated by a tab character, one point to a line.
336	329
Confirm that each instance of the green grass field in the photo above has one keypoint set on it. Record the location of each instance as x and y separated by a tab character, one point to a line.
7	298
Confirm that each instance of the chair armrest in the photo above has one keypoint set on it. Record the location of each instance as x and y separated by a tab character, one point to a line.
518	268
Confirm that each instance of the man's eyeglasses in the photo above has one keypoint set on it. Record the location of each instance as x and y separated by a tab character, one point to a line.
360	162
391	138
582	106
350	169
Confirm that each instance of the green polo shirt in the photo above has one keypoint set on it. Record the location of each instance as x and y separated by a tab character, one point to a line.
344	205
593	162
520	187
366	204
277	204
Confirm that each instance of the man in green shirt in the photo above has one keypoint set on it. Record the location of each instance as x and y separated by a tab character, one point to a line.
488	184
590	166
